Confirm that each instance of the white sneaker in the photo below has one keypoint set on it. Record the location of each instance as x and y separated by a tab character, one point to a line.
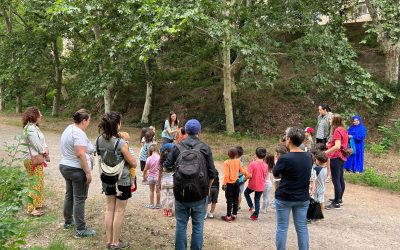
210	215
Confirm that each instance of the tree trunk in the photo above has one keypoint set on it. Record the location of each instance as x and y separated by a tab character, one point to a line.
227	78
107	99
58	78
392	56
2	102
107	91
18	103
149	95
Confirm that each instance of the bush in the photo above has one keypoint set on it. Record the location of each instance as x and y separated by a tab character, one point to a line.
14	183
371	178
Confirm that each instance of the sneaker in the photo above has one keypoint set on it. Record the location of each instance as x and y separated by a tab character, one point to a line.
251	210
226	218
157	206
120	245
340	201
234	216
333	206
88	232
68	226
210	215
253	217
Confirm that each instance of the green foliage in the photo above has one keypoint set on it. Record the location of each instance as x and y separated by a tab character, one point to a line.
14	190
371	178
377	149
391	136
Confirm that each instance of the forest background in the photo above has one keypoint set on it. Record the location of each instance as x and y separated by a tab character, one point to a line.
248	66
245	68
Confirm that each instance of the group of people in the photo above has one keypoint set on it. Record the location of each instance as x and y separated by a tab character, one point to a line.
182	177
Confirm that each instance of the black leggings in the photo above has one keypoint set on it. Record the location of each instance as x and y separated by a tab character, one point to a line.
337	178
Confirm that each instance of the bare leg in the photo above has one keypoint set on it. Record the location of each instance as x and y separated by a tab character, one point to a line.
118	219
109	217
213	205
151	194
158	194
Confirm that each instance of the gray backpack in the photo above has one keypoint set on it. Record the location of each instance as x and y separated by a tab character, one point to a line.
111	160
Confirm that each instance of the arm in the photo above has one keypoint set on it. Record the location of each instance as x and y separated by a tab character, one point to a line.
335	148
277	170
127	155
146	168
312	187
34	140
361	136
80	152
226	172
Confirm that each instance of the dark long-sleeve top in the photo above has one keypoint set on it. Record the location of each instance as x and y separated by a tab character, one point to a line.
192	141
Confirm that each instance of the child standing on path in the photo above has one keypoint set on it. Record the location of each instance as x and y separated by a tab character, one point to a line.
270	160
150	174
166	182
231	184
213	197
240	152
320	168
257	171
144	151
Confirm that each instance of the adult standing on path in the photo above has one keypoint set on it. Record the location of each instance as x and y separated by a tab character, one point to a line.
117	191
337	143
323	125
170	128
75	166
191	193
355	162
294	169
38	150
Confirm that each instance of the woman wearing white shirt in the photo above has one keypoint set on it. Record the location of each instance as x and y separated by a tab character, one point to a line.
36	146
75	166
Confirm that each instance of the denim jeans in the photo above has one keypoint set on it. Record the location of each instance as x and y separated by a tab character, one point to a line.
75	196
257	197
196	210
299	209
337	178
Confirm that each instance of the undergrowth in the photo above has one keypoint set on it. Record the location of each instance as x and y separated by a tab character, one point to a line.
372	178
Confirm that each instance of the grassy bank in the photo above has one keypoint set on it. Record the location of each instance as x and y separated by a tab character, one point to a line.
372	178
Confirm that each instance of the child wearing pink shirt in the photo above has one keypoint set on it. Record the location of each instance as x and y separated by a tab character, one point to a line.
150	175
257	172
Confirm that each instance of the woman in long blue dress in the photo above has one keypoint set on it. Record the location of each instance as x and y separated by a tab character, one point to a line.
355	162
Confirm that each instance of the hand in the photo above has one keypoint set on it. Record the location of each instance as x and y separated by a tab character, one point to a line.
46	151
88	178
350	136
159	186
47	157
224	187
133	186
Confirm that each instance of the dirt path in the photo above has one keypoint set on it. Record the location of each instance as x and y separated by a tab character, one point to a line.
369	219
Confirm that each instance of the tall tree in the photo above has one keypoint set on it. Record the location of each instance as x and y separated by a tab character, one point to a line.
385	16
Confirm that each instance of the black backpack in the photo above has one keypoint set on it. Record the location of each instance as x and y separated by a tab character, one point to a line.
191	176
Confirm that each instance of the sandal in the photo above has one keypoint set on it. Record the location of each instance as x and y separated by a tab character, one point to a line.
150	206
157	206
36	213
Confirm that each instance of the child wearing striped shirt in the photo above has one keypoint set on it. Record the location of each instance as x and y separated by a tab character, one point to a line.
321	171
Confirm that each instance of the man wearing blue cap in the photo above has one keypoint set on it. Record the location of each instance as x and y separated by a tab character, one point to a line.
195	172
